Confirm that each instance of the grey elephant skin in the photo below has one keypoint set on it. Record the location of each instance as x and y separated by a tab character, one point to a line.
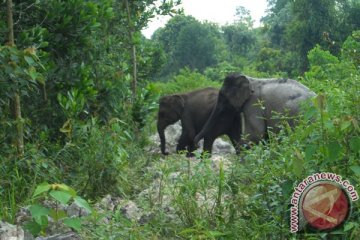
193	109
261	101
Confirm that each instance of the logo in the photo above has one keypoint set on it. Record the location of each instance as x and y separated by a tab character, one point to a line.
322	201
325	206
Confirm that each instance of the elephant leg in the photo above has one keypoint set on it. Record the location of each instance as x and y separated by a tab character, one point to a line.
189	133
190	149
235	140
208	143
182	143
234	134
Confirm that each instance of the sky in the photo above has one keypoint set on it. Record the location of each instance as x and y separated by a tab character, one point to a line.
217	11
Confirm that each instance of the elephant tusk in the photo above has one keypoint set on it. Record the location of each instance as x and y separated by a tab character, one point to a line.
242	122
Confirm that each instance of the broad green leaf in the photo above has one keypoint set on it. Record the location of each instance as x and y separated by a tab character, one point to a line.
57	215
43	187
298	164
14	57
329	124
187	231
32	73
215	234
344	125
29	60
33	227
287	187
309	151
82	203
63	187
37	211
310	113
42	221
61	196
355	144
334	149
74	223
349	225
356	170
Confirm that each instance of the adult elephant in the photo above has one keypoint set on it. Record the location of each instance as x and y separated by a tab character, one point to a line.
193	109
262	102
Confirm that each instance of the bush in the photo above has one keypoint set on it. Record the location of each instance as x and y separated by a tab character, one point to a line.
326	67
351	48
185	81
219	72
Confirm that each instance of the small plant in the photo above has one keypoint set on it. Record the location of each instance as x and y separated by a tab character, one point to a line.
60	194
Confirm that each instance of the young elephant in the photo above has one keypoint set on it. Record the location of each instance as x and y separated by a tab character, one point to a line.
193	109
260	100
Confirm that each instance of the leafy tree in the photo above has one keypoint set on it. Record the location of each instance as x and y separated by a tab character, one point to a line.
351	48
138	13
72	70
276	22
168	35
16	96
189	43
195	47
240	39
269	60
297	26
312	20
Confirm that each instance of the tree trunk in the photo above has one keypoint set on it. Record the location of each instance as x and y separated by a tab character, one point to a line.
133	49
16	99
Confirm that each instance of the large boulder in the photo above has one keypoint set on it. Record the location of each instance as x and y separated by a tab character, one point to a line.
10	232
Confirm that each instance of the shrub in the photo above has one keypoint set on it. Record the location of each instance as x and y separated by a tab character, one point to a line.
186	80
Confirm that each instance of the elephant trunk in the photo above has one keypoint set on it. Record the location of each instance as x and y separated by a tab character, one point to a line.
161	132
210	123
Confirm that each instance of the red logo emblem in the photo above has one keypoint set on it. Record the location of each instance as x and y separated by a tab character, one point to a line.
325	206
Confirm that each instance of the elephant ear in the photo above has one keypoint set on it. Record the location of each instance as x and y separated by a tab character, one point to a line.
247	84
236	89
177	102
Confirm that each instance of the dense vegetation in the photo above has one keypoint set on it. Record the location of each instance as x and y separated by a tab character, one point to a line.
79	86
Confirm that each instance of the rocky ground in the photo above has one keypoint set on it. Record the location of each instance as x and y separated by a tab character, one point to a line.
159	193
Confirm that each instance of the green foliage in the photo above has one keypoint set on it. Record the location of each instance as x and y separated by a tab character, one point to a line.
240	39
84	127
250	200
195	47
141	12
297	26
186	80
95	154
219	72
336	108
145	104
275	62
61	194
269	60
189	43
318	57
277	21
72	104
325	66
351	48
20	68
74	97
